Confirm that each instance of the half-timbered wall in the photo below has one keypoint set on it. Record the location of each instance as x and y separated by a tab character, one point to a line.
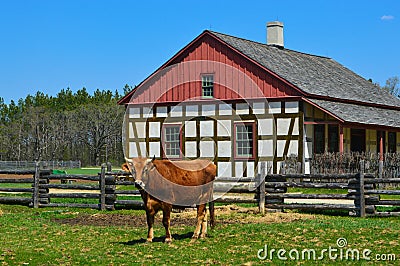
207	131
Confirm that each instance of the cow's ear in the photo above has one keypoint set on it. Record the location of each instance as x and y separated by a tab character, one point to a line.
125	167
154	157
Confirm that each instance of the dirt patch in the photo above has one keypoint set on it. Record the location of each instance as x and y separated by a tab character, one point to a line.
231	214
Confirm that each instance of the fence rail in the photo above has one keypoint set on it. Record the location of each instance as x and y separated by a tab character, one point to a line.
42	164
361	194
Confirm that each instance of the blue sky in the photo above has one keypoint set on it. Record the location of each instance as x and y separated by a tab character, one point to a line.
50	45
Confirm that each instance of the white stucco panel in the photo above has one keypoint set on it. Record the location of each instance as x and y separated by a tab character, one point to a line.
224	149
250	169
140	129
154	129
280	147
143	150
190	129
207	149
224	169
282	126
154	149
207	128
266	127
190	149
224	128
238	169
133	152
293	147
266	148
296	127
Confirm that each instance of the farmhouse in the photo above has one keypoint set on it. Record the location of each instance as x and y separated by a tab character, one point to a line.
241	102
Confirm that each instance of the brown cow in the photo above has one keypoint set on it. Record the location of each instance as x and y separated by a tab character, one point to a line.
164	184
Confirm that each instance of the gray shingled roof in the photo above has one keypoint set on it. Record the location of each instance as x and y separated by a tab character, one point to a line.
354	113
315	75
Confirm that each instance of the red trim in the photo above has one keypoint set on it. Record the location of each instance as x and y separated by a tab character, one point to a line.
237	157
321	122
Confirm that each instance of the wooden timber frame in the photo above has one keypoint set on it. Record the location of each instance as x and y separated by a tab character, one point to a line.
266	190
140	136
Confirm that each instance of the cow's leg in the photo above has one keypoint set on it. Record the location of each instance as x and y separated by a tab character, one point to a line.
201	212
166	222
150	221
204	224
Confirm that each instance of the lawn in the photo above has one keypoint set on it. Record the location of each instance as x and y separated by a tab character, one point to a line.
61	236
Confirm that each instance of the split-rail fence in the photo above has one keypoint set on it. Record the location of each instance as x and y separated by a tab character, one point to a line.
359	194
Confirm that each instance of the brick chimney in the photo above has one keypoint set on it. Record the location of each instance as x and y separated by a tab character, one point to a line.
275	34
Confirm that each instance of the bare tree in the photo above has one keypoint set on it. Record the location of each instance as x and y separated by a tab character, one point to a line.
393	86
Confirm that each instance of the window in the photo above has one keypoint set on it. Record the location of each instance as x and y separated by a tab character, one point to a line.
357	140
172	141
319	139
333	138
392	142
207	86
244	136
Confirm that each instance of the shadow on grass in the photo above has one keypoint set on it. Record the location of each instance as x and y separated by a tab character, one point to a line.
176	237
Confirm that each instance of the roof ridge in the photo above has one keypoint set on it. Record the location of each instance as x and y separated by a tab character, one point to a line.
267	45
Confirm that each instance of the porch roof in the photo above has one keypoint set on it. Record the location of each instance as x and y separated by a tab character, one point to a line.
361	114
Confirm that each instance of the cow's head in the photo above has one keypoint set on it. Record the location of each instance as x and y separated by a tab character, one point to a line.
139	168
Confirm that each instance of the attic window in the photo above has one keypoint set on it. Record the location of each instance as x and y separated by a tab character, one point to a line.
207	86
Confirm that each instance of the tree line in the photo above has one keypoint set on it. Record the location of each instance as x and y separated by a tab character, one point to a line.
69	126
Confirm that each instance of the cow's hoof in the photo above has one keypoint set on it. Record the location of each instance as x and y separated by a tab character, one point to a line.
168	240
203	235
149	240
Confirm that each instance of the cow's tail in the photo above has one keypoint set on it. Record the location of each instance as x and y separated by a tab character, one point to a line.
212	217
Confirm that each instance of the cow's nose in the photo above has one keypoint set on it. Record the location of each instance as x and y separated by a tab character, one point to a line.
139	184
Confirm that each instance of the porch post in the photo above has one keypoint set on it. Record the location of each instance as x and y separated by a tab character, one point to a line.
381	145
341	139
380	172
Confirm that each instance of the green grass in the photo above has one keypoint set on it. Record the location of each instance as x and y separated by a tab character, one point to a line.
317	191
31	236
83	171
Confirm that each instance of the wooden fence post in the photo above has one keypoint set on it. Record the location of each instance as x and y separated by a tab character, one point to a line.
261	188
36	179
103	187
361	190
109	167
